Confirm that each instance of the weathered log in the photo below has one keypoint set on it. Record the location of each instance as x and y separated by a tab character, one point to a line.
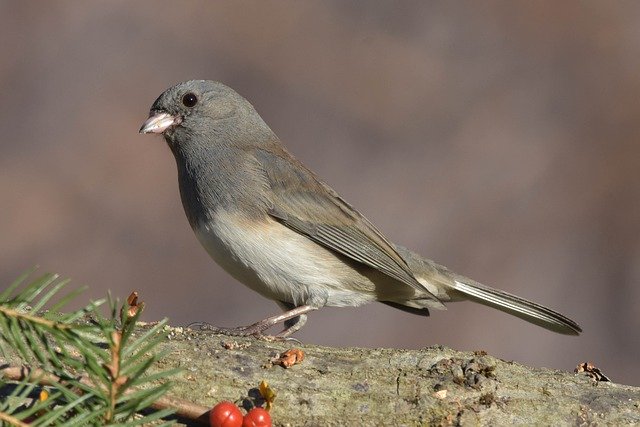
365	387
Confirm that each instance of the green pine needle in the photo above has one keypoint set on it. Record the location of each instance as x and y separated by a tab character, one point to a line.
94	366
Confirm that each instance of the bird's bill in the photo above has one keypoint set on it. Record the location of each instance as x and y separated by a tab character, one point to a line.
159	122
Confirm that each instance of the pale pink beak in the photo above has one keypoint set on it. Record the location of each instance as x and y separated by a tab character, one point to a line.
159	122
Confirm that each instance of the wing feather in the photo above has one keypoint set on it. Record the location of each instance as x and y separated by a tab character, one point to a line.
308	206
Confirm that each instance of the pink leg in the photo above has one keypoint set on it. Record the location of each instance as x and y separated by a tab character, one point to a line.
259	327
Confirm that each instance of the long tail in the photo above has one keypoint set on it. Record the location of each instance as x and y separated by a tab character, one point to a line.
452	287
517	306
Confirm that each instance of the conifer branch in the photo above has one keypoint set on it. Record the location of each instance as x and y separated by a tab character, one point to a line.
92	366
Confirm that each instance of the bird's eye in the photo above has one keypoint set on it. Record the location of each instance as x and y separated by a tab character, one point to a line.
189	100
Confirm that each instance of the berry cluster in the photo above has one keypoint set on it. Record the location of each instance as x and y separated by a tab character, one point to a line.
227	414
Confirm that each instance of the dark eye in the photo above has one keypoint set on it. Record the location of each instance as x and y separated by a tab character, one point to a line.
189	100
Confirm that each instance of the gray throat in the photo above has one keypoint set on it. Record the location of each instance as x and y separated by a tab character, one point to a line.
218	177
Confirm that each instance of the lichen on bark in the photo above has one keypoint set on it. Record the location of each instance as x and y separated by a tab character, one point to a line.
358	386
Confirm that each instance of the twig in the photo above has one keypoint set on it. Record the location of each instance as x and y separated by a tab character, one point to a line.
9	312
12	420
183	408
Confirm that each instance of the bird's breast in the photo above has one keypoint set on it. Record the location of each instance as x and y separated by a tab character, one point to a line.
281	264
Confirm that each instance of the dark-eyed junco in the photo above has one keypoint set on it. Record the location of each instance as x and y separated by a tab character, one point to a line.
276	227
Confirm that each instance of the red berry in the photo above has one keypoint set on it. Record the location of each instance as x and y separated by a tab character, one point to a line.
257	417
225	414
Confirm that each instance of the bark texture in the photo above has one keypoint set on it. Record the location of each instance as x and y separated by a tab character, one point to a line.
356	386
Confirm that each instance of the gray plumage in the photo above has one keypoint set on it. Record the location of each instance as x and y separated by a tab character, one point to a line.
277	228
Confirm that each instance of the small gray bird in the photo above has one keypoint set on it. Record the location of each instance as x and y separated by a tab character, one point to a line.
276	227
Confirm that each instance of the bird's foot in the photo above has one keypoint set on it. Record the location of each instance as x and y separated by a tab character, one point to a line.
254	330
298	315
241	331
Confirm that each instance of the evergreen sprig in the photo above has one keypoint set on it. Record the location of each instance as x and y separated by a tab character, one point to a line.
79	368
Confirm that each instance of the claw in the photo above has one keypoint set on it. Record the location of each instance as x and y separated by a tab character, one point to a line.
257	328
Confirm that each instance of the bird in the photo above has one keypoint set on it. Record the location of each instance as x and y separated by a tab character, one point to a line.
276	227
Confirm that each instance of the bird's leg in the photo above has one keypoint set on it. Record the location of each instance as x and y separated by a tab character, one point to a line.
292	325
297	316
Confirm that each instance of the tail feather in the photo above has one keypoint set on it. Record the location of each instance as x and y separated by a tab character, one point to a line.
449	286
517	306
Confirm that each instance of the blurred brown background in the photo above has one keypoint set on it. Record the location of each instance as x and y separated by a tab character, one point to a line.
499	139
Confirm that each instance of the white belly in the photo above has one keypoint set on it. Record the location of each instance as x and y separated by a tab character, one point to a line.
281	264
